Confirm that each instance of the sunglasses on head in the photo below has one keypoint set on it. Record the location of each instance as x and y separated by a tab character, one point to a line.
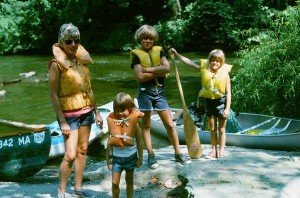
70	41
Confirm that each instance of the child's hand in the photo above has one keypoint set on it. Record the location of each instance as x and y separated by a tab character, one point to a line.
139	163
226	113
109	164
99	121
172	51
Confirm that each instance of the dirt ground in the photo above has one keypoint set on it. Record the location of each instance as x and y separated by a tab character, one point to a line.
243	173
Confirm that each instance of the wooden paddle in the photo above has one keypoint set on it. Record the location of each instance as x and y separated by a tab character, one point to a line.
191	136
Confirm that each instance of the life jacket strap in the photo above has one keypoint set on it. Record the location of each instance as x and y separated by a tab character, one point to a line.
214	90
123	121
124	137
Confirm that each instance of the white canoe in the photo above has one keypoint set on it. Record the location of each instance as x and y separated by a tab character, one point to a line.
257	131
57	141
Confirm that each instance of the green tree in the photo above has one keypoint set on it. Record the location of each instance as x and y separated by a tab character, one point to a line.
269	79
109	25
20	25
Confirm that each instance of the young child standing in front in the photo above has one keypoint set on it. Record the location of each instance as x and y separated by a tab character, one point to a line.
125	142
216	89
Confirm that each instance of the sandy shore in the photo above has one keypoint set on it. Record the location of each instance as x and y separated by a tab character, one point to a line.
243	173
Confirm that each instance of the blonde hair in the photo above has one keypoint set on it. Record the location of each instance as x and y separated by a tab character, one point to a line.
122	102
145	31
66	31
217	54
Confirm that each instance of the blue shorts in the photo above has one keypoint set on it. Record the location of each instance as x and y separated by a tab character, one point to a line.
215	107
83	120
124	163
151	98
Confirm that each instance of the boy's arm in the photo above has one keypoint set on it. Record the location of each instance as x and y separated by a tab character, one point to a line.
184	59
160	70
142	76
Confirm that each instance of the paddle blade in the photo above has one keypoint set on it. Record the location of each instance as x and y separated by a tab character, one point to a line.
191	136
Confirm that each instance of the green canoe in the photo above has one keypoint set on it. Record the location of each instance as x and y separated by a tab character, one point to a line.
22	154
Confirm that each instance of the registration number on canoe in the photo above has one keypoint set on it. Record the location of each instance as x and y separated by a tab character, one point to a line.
37	138
6	143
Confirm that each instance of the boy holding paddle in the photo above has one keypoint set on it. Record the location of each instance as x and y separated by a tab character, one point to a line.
216	89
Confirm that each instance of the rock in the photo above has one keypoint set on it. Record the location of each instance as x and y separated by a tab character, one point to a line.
28	74
2	92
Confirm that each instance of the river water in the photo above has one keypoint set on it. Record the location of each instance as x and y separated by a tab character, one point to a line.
28	101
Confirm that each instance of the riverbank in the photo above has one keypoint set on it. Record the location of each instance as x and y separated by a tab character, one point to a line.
243	173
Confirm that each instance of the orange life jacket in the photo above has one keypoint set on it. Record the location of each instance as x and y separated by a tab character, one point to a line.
75	90
122	132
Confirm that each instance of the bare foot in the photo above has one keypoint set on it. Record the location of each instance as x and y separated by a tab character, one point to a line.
211	155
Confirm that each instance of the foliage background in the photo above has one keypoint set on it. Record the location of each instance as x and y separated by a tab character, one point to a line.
108	25
269	80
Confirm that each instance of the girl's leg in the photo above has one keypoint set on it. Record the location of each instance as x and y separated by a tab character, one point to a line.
222	135
166	118
129	182
116	176
65	168
213	137
80	160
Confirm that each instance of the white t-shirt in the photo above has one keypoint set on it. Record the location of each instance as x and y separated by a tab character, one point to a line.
125	151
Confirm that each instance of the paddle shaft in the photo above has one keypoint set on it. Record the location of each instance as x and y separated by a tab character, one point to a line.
191	134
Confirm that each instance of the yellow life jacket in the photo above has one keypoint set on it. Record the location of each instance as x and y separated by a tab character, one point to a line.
213	84
151	59
144	57
122	132
75	90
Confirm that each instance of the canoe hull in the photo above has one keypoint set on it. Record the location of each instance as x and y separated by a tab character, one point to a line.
287	139
23	155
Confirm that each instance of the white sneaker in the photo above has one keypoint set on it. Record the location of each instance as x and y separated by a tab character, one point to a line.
63	195
152	163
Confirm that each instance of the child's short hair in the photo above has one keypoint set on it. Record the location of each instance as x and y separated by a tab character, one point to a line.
122	102
146	31
66	31
217	54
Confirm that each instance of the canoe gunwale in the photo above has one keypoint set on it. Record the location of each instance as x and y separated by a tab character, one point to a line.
28	131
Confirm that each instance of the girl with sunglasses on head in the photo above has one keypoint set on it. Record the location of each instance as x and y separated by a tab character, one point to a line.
74	104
